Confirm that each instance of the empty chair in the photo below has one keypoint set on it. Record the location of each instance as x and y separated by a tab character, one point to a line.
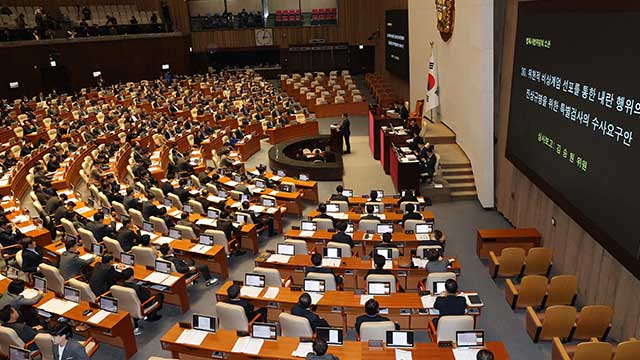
87	239
627	350
438	276
55	281
411	224
300	246
187	232
196	206
592	350
294	326
329	280
508	264
232	317
530	292
448	326
391	279
144	256
136	217
52	133
346	249
368	225
562	290
236	195
220	238
128	301
376	330
159	225
86	294
113	246
272	277
68	227
593	321
538	261
557	321
323	224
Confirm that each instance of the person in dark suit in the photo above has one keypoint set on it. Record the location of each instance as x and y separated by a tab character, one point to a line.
263	220
52	204
166	187
104	275
449	303
234	299
411	214
8	236
63	347
302	309
338	195
143	294
99	229
345	127
341	236
322	208
379	262
409	195
126	237
130	202
70	262
316	260
427	163
320	349
14	297
182	193
370	215
31	255
150	209
11	318
371	307
184	268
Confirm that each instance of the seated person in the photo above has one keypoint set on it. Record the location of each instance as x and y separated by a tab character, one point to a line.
143	295
371	307
370	215
32	255
302	309
70	262
234	299
409	195
99	229
14	297
104	275
386	243
322	209
63	346
338	195
185	268
184	221
379	261
436	262
449	303
126	237
411	214
439	240
316	260
11	319
484	354
263	219
320	351
341	236
145	241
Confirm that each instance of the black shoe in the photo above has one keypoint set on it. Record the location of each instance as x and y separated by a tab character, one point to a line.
154	317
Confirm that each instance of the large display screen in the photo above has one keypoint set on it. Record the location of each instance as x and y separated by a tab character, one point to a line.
575	113
397	42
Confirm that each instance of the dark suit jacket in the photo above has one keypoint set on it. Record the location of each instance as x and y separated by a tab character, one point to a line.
322	270
102	278
143	294
72	351
411	216
99	230
127	238
183	194
181	265
451	305
70	264
339	197
367	318
149	209
341	237
314	320
345	127
24	332
31	259
247	306
131	202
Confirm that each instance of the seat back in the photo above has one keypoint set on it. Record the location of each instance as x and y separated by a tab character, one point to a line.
86	294
236	195
346	249
593	351
175	201
300	246
537	261
231	317
159	225
19	258
219	238
593	321
376	330
383	277
196	206
627	350
187	232
511	261
271	276
157	193
55	281
368	225
87	239
562	290
420	249
438	276
113	246
532	291
291	185
294	326
329	280
144	255
45	345
344	206
195	181
127	300
104	200
323	224
558	321
450	324
68	227
8	337
136	217
410	224
119	207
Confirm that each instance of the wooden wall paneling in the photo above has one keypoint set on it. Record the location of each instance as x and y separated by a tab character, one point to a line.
179	10
146	5
601	279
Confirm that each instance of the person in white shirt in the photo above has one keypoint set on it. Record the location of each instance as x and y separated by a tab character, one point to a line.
63	347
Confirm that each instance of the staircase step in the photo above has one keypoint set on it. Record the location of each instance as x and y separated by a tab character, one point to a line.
451	179
439	140
464	195
456	172
466	186
447	165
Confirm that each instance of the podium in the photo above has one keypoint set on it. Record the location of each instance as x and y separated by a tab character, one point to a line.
335	142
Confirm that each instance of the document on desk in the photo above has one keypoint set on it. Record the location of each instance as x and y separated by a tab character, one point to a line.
216	199
306	233
271	293
170	280
276	178
174	213
257	208
365	298
200	249
315	297
272	210
20	219
163	240
250	291
303	349
207	222
428	301
29	293
156	277
331	262
98	317
273	192
248	345
403	354
465	354
26	229
420	263
86	257
57	306
83	209
151	235
231	183
278	258
339	216
191	337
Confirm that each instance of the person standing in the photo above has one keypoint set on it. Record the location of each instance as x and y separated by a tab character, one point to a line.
345	127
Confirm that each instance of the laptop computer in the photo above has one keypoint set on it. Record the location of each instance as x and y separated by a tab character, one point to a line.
378	288
332	253
333	208
204	323
127	259
470	338
71	294
439	287
384	228
285	249
423	231
205	240
109	304
400	339
332	336
313	285
267	331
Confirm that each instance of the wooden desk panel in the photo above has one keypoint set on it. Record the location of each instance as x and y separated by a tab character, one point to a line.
309	188
248	148
335	110
497	239
71	175
389	216
290	132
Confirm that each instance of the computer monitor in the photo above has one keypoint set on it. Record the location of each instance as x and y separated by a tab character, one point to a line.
91	203
165	66
384	228
439	287
124	217
285	187
206	240
187	208
268	202
314	285
400	339
237	178
167	202
212	213
14	85
347	192
378	288
96	73
470	338
332	336
281	173
147	226
175	233
97	249
256	280
265	331
12	272
127	259
204	323
40	283
386	252
424	228
308	226
109	304
71	294
380	194
304	177
16	353
106	211
332	253
333	208
222	193
285	249
163	266
260	183
351	228
241	218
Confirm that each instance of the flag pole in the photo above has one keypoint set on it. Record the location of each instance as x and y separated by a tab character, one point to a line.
431	110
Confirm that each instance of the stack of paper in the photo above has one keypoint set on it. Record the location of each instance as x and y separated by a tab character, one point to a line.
156	277
403	355
422	237
276	178
303	349
57	306
315	297
28	228
257	208
144	232
20	219
428	301
170	280
86	257
231	183
272	210
163	240
274	192
365	298
191	337
98	317
201	249
331	262
306	233
465	354
216	199
278	258
83	209
207	222
248	345
271	293
250	291
29	293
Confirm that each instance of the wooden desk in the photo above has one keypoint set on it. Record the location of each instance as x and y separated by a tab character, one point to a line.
290	132
404	174
386	139
497	239
335	110
389	216
69	173
375	122
222	342
309	188
388	201
336	140
291	200
248	148
353	270
115	329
